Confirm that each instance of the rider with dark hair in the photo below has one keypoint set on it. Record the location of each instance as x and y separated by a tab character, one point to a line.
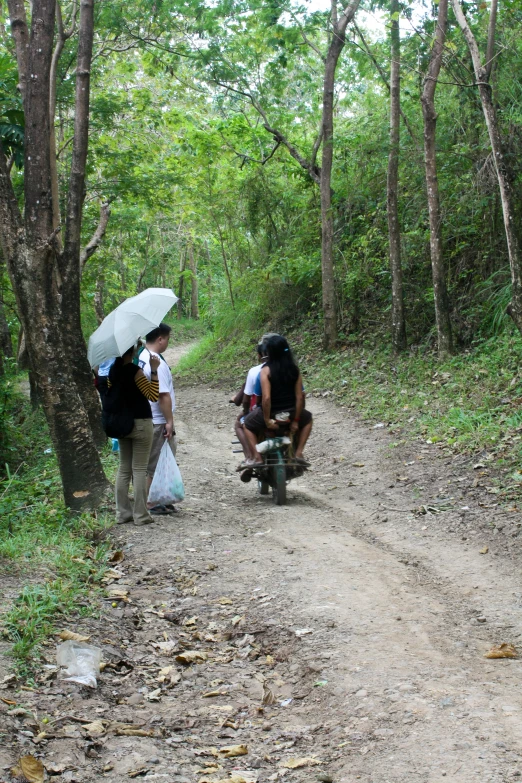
282	392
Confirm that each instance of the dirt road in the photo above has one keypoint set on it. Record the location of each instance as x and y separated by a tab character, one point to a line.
340	638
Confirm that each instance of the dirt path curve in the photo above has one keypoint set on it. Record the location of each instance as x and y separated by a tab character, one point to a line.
336	639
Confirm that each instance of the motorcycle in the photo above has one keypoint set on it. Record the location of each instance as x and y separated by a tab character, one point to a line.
279	465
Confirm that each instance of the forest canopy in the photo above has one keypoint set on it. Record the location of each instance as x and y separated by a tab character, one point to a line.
356	166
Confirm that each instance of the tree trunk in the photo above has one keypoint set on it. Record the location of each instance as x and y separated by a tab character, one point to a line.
503	170
398	323
327	228
225	263
181	284
440	292
327	128
40	280
71	268
194	306
99	309
6	343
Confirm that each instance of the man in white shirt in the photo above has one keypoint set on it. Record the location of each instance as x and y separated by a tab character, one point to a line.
156	342
248	393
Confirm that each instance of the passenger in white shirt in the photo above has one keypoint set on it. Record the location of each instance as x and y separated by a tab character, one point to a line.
156	342
248	393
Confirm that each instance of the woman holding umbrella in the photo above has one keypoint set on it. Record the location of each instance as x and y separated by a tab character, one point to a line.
128	397
126	411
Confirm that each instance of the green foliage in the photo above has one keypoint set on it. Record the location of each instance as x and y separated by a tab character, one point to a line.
11	112
59	557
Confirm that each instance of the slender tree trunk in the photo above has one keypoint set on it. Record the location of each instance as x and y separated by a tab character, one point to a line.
327	227
225	263
394	232
39	278
71	267
99	308
327	127
194	306
209	278
503	170
182	259
440	292
6	343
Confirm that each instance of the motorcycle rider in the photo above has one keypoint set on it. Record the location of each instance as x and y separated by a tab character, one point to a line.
282	391
248	399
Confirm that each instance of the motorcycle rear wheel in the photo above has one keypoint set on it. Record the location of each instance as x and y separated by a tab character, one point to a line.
279	482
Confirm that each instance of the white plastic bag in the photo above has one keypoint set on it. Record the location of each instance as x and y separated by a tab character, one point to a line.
79	662
167	484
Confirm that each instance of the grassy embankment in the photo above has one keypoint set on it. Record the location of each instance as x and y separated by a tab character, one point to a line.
471	402
53	559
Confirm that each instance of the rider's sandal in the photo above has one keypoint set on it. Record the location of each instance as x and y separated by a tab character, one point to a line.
302	462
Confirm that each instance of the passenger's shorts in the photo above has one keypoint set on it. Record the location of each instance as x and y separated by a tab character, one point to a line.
157	443
255	421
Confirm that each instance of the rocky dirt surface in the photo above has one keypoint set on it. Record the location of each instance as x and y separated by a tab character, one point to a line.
340	638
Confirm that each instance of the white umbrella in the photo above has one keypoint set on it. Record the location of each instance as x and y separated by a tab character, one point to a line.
133	318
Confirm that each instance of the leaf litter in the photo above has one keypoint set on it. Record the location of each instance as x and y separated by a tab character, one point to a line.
241	660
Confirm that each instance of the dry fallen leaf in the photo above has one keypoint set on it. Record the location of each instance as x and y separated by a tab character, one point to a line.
268	695
484	550
118	593
32	769
191	656
134	773
211	694
55	769
298	763
502	651
74	637
224	601
95	729
116	557
130	732
81	493
358	464
154	695
167	647
234	778
233	750
9	702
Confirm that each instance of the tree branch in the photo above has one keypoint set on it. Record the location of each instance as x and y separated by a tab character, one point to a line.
312	169
383	76
470	40
490	51
307	41
20	33
75	196
96	239
346	16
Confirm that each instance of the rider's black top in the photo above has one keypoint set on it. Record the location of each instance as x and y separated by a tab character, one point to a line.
282	396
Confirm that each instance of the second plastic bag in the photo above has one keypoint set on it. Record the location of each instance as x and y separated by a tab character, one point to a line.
79	662
167	484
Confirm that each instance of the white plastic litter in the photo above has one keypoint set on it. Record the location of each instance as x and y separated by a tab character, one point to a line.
79	662
167	484
268	444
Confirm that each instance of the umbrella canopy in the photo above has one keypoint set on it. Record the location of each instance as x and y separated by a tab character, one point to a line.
133	318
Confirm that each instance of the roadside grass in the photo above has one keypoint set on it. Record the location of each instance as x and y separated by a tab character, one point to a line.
470	402
59	557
